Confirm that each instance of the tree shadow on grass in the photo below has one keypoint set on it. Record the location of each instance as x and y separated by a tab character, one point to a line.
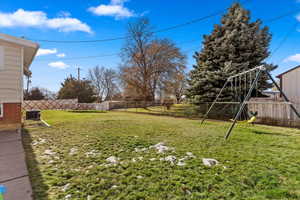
37	182
167	114
269	133
87	111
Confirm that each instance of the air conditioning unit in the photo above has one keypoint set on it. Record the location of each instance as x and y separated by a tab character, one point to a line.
33	115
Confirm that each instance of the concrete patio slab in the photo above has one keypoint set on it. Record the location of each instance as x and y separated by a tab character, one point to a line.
18	189
9	136
12	166
13	169
11	147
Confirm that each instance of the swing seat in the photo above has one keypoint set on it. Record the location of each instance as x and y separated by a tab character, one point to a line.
251	120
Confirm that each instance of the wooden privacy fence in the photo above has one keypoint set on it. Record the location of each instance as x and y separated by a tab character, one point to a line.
93	106
270	112
275	113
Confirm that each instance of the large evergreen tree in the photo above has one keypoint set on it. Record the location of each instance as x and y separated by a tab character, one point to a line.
234	46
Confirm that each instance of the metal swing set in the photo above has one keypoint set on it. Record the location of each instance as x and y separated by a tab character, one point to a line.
239	84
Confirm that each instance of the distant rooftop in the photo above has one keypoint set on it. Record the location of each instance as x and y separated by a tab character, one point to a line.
280	75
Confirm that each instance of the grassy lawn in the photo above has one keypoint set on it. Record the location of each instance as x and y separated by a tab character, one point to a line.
69	160
177	110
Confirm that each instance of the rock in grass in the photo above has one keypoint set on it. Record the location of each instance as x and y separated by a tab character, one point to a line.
73	151
65	187
49	152
181	163
92	153
190	154
140	149
161	147
39	141
209	162
170	159
140	158
113	160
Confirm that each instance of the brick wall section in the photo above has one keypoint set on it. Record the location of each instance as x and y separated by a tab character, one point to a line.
12	114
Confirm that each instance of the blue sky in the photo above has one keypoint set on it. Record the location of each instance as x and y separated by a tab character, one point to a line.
101	19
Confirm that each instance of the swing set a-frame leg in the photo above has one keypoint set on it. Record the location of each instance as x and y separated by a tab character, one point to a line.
249	95
243	105
284	96
215	101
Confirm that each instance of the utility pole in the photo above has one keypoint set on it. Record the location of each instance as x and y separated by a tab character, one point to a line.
27	85
78	73
78	84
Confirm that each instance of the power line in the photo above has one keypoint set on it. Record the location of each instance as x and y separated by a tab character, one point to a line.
282	16
290	31
96	56
79	58
174	27
125	37
103	55
161	30
188	41
79	41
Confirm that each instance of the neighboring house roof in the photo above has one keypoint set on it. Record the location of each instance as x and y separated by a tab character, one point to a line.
280	75
30	48
271	92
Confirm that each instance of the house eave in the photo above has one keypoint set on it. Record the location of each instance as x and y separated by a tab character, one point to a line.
30	48
18	41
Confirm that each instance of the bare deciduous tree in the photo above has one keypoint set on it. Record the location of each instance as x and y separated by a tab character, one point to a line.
48	93
175	85
147	61
105	82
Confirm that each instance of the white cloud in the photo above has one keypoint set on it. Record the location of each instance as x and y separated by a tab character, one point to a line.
293	58
114	9
42	52
117	2
61	55
64	14
59	64
23	18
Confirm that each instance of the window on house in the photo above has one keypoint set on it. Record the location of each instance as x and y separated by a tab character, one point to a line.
1	58
1	110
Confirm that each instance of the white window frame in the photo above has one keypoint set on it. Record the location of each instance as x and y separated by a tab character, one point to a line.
1	110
